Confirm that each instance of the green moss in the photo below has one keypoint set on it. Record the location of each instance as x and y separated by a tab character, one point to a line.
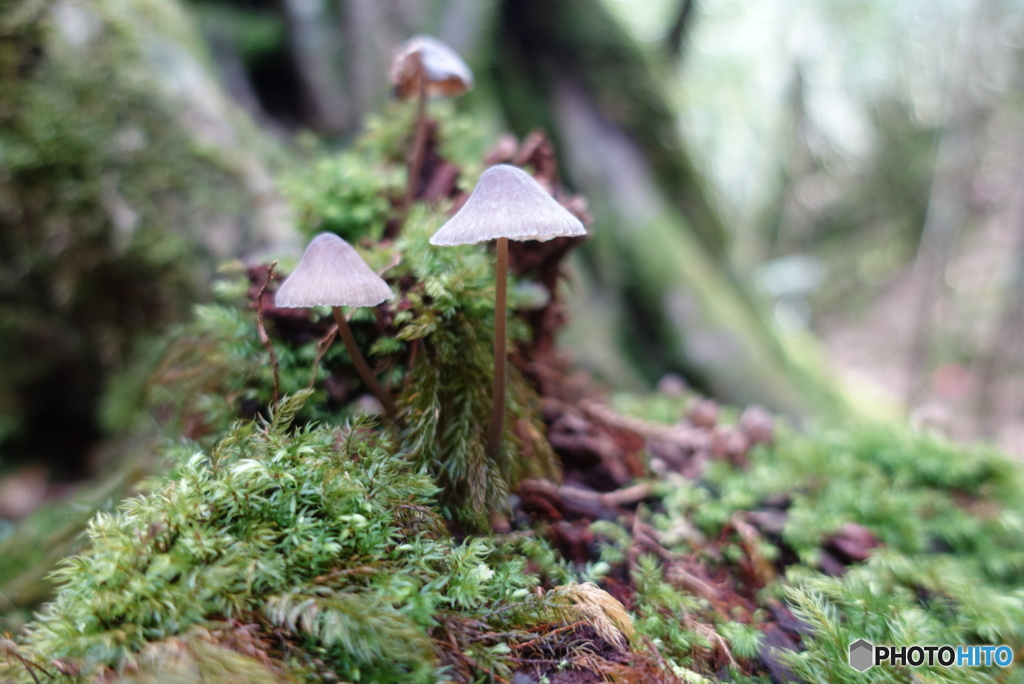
286	548
355	192
948	570
437	352
321	537
345	193
296	552
949	518
432	344
450	320
103	196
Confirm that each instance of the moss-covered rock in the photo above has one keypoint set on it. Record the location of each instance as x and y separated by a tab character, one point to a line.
122	182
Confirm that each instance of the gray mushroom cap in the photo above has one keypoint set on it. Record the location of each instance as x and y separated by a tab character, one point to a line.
331	273
442	69
508	203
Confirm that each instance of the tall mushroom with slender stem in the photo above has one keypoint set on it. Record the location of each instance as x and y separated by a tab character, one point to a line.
424	66
331	273
506	204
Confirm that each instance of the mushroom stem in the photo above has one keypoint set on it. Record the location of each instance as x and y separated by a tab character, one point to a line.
360	363
419	143
498	402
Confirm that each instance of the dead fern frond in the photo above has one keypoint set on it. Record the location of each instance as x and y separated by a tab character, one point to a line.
600	609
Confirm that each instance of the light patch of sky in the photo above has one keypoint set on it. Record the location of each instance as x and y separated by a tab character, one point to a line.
647	20
734	90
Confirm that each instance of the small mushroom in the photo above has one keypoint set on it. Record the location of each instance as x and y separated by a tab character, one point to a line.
331	273
506	204
424	66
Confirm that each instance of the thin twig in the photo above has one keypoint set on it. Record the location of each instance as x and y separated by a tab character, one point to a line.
643	537
552	633
395	260
685	436
264	338
345	572
10	649
618	497
499	611
322	345
535	661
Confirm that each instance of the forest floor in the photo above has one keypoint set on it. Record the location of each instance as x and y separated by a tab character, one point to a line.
740	549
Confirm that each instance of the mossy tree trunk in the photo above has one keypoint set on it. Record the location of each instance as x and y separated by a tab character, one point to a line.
126	175
657	267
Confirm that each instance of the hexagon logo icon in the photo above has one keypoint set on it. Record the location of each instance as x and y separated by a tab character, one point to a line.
862	655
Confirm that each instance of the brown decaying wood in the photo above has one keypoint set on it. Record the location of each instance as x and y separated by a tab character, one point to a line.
419	144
